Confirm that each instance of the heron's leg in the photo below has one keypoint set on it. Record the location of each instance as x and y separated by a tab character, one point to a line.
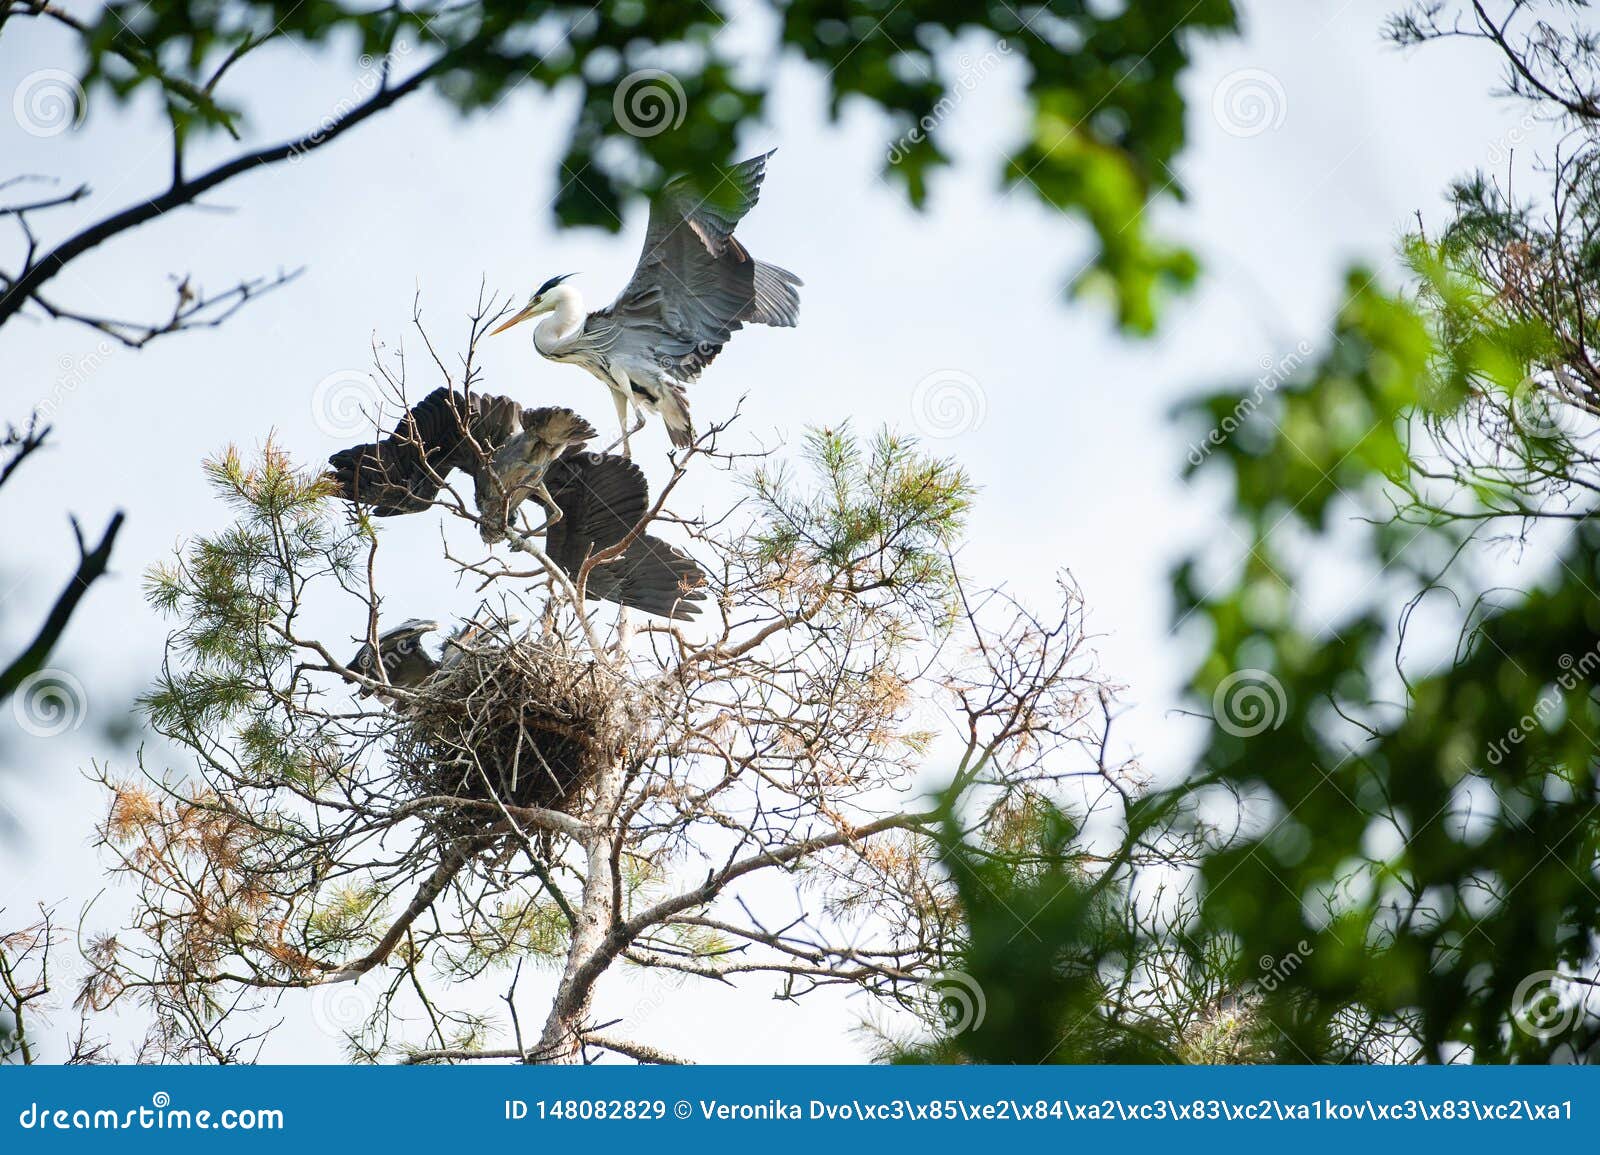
621	400
552	511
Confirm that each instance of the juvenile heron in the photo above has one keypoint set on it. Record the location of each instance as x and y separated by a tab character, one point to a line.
695	285
475	636
400	651
519	466
592	501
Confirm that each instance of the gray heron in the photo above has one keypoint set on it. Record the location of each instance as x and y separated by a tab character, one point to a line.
405	663
592	501
695	285
521	462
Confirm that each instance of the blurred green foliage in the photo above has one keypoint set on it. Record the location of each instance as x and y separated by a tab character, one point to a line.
1071	957
1035	980
662	91
1390	837
1437	852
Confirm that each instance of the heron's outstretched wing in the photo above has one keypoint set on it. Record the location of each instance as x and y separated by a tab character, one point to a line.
557	429
695	284
601	499
404	472
388	475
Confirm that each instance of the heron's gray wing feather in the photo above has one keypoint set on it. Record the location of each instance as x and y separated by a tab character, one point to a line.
410	628
415	664
695	284
558	428
363	662
601	499
777	299
711	213
653	576
388	475
490	420
403	473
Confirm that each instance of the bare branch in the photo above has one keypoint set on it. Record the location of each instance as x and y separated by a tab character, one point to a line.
91	566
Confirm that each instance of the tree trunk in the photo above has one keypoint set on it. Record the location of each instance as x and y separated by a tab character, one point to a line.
562	1038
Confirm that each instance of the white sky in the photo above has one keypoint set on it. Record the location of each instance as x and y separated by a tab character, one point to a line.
1078	462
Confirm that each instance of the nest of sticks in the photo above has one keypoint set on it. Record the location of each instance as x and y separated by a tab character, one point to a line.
510	722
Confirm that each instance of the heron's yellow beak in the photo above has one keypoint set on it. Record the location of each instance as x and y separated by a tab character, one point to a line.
516	320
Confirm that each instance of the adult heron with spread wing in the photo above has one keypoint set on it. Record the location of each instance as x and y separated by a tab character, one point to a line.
695	285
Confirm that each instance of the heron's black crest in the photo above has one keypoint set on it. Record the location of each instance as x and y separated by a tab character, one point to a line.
552	283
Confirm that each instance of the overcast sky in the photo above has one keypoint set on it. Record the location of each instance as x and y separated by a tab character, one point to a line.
1065	425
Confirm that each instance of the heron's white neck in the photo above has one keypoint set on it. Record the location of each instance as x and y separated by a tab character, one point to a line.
563	322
